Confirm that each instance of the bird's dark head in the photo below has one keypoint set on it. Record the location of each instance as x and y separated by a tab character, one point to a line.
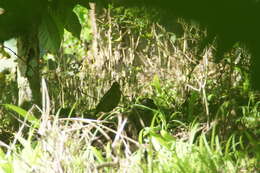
115	85
148	103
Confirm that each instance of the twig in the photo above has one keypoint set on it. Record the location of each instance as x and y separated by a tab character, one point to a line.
19	57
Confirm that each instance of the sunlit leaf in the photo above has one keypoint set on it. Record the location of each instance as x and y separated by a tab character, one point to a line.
30	117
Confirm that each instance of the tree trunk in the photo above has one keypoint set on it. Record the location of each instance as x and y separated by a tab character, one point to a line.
28	74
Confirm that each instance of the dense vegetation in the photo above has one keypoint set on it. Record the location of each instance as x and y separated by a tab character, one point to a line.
179	110
227	22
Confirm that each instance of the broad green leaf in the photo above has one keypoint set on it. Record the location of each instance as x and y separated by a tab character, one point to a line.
49	34
30	117
72	24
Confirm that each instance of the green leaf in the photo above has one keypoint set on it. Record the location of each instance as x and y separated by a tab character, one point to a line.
30	117
156	83
49	34
167	136
98	154
5	162
159	140
206	144
73	25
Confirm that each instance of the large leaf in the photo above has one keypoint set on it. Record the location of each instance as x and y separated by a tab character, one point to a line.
30	117
59	16
62	12
63	9
73	25
49	34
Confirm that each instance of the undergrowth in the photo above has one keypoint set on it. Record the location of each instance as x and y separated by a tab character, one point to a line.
205	117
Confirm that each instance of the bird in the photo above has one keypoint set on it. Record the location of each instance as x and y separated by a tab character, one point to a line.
110	100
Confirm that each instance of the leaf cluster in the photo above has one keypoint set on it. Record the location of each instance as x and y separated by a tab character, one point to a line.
47	19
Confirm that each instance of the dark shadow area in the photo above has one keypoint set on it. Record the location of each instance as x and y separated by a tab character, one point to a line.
227	22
